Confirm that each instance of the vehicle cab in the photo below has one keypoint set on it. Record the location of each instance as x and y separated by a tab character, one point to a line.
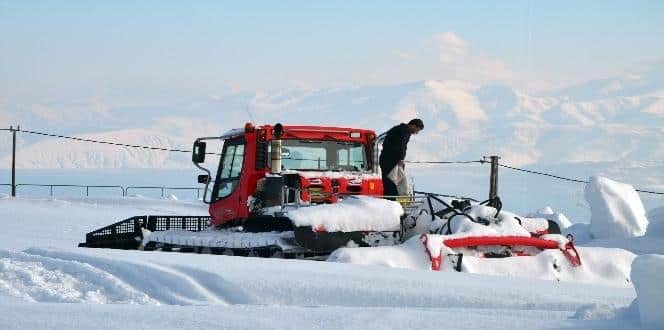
263	167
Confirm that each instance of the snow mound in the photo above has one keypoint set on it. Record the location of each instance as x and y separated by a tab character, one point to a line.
354	213
647	273
656	222
617	210
42	275
42	279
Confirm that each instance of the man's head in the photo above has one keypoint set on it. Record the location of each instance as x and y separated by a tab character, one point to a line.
415	126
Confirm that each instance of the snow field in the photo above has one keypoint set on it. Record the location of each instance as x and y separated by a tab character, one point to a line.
179	279
41	267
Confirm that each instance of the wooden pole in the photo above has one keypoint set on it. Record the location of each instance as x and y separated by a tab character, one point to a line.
493	180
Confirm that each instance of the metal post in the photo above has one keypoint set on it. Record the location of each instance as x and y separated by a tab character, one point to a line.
14	158
493	180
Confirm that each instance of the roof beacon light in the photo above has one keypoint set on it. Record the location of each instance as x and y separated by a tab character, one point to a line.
355	135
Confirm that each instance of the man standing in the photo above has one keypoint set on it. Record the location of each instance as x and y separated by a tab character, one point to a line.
394	151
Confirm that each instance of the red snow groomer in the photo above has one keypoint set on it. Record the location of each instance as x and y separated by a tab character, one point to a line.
265	176
289	192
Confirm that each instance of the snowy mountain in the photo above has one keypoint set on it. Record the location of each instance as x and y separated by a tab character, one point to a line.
611	120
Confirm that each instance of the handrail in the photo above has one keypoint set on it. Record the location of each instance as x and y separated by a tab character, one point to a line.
163	189
87	187
124	190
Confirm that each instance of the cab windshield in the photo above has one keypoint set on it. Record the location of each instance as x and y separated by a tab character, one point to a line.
319	155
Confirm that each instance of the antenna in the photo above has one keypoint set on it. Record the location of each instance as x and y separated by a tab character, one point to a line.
246	109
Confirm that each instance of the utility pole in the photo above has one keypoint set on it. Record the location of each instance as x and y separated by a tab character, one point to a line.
11	128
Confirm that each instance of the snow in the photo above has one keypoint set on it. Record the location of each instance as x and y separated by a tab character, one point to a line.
605	266
335	175
353	213
617	210
47	282
647	273
504	224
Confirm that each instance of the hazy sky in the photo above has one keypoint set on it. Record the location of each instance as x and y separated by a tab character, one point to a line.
150	49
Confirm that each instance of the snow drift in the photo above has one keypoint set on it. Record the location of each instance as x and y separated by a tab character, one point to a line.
617	210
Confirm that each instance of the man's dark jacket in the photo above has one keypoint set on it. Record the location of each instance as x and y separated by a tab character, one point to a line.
394	147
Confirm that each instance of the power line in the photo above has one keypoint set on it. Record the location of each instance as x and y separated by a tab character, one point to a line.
542	173
569	179
106	142
445	161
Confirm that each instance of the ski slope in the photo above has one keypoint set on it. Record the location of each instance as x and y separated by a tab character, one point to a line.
46	282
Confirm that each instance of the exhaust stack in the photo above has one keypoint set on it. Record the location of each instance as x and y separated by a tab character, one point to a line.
275	154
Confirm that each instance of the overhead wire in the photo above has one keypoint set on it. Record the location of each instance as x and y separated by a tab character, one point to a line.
558	177
107	142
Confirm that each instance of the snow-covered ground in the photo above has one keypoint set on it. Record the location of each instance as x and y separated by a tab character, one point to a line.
47	282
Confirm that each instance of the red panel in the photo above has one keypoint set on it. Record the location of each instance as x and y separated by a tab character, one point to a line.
501	240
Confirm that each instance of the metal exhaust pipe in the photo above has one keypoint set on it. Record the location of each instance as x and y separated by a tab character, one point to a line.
275	153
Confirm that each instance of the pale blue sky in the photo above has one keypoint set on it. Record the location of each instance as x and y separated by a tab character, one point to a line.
64	49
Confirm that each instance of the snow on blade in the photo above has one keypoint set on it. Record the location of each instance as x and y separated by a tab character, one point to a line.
617	210
502	224
548	213
353	213
600	265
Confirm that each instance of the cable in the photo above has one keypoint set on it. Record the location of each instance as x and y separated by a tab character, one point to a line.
541	173
108	143
569	179
650	192
445	162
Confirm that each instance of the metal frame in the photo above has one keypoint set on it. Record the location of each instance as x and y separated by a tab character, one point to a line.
224	137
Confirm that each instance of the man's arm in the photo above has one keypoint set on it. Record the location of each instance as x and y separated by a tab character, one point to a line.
404	137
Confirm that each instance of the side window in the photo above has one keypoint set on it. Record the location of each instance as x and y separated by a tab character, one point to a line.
230	170
227	163
236	168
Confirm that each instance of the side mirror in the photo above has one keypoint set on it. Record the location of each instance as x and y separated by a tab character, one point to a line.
204	178
198	155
